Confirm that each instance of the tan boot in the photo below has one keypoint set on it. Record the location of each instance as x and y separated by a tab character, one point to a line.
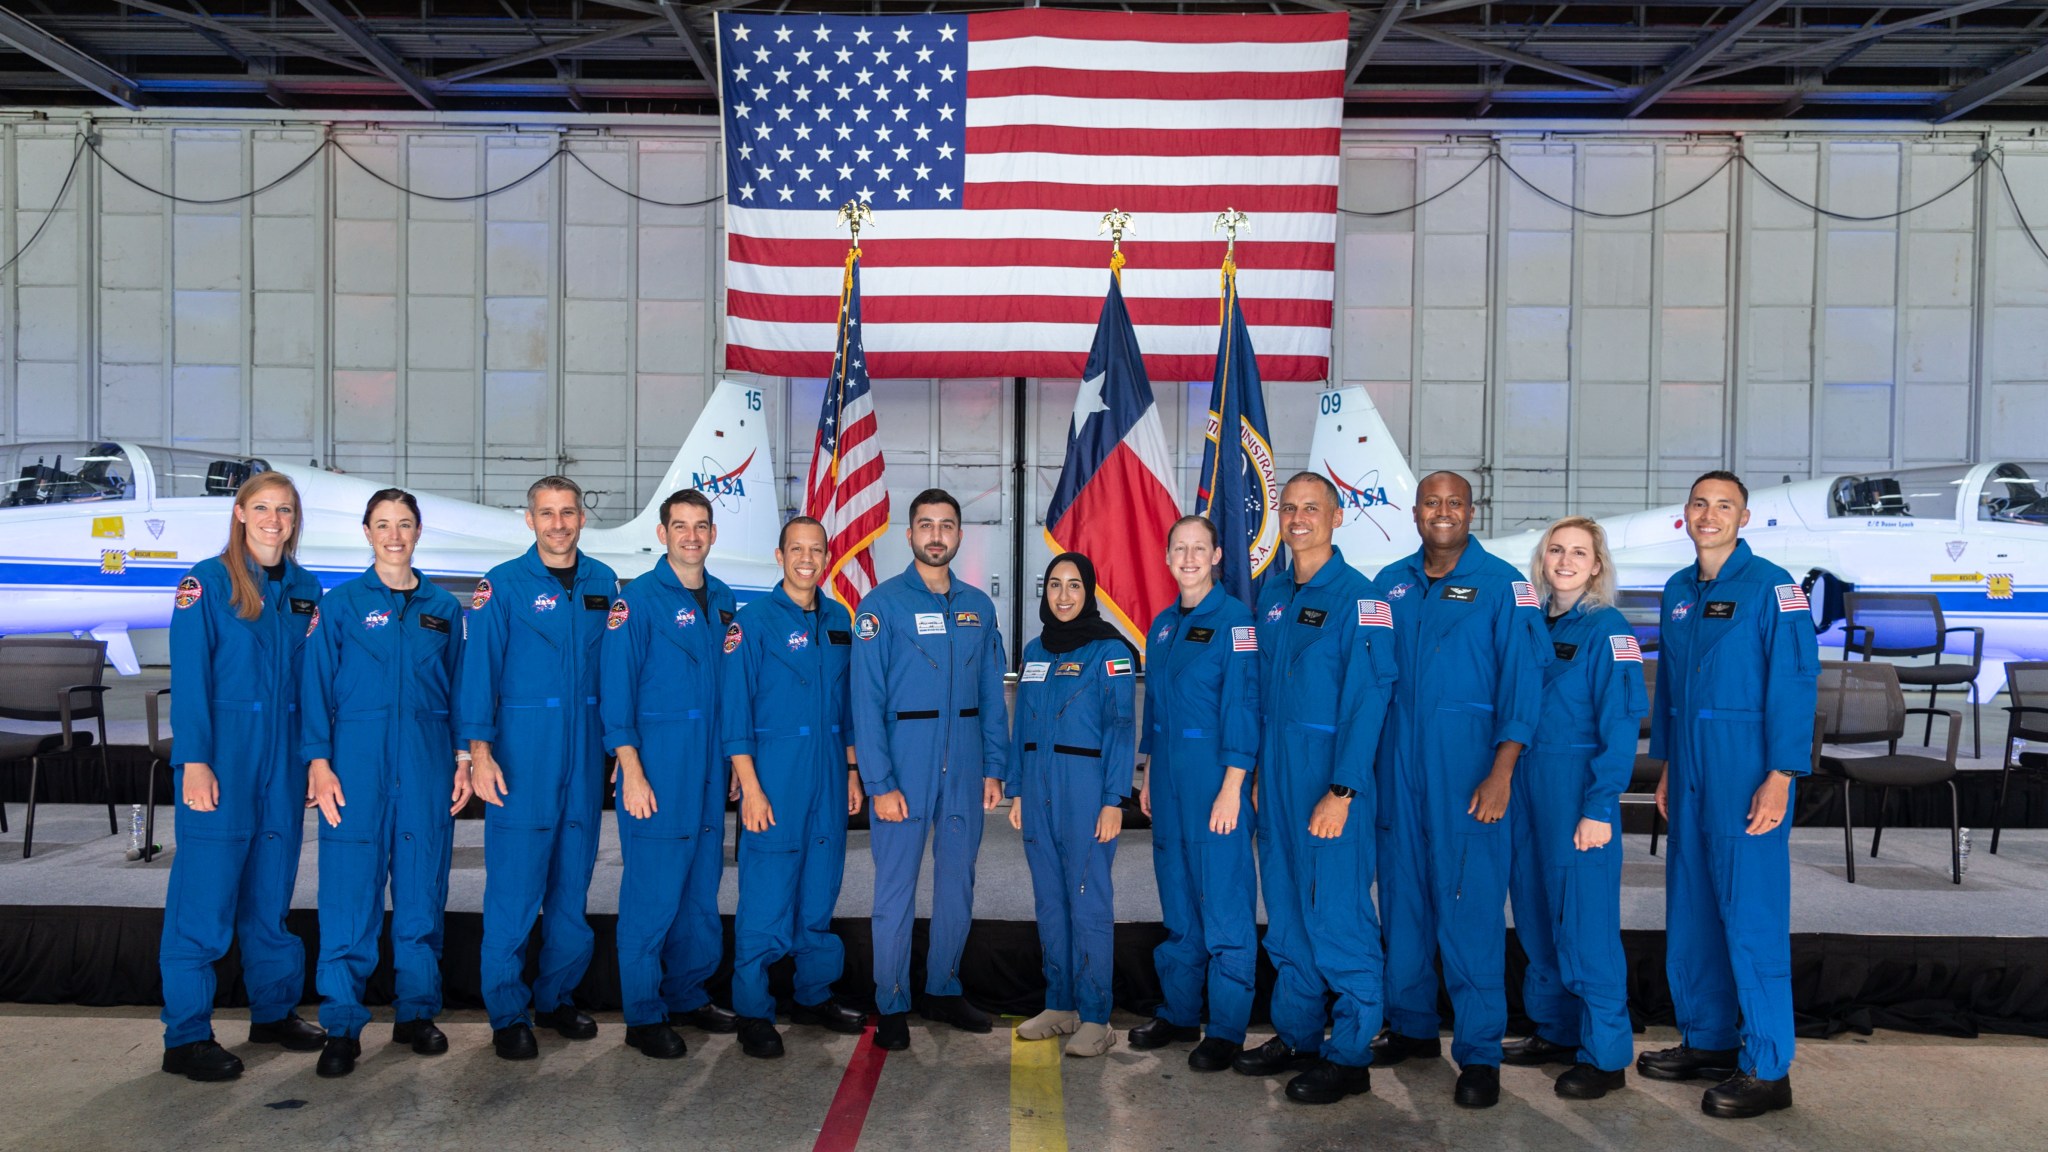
1048	1024
1091	1040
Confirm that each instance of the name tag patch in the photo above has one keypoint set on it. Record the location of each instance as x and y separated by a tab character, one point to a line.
1720	610
1313	617
838	636
596	603
1201	635
725	615
967	619
1462	593
304	607
1068	668
1034	671
931	623
434	624
1562	650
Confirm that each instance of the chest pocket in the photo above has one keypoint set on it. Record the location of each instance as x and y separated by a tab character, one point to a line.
685	639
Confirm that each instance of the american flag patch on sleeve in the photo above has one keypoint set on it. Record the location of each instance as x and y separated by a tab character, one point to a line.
1244	638
1375	613
1792	598
1626	648
1525	595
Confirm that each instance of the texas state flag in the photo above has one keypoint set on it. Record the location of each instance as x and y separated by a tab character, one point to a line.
1114	503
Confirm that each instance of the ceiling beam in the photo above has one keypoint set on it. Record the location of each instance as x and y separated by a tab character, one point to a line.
544	51
374	49
1390	13
62	57
1706	49
280	43
1858	37
1992	85
700	57
1511	56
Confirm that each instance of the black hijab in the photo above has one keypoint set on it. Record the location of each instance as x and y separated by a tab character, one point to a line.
1060	636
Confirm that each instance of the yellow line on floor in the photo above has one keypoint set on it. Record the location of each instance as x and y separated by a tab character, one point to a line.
1038	1121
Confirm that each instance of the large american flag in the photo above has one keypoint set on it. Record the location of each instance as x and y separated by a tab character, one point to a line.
989	145
845	491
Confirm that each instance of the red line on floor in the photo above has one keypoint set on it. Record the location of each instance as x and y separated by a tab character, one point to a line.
849	1109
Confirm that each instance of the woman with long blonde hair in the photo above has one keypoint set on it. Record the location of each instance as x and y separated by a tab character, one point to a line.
242	618
1565	813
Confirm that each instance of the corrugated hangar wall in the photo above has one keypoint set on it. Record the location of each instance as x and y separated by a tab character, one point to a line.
1587	361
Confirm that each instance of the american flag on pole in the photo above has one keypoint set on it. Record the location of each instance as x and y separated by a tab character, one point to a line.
989	144
845	492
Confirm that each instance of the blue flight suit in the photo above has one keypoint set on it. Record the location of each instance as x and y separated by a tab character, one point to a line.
378	682
1472	650
1567	902
235	709
1737	688
1326	671
1070	757
1201	718
528	685
785	703
928	720
659	694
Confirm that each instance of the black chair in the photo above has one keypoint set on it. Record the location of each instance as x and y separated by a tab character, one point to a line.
54	681
1905	624
2026	681
1861	703
159	753
1643	780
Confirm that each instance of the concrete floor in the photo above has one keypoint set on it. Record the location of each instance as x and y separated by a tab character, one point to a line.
86	1079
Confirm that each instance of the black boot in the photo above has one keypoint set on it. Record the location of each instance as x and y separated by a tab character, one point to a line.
1535	1050
515	1042
1327	1083
1390	1048
1272	1058
759	1039
1683	1063
955	1010
338	1058
707	1018
294	1034
1742	1096
425	1039
202	1060
567	1022
892	1031
831	1015
1478	1086
1158	1032
1585	1082
1214	1054
656	1040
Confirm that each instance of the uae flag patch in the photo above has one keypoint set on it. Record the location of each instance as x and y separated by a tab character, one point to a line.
1121	666
1525	595
1792	598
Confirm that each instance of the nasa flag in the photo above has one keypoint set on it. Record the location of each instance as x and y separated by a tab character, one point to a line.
1239	490
1114	503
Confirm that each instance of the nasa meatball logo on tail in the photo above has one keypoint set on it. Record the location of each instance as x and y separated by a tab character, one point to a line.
1375	488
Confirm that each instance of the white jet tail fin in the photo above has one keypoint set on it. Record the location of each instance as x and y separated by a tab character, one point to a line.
728	457
1353	447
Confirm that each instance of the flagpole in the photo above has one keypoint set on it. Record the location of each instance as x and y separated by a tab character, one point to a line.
1228	222
853	214
1116	222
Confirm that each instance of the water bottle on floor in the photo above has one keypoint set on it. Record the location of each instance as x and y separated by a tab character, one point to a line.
135	832
1963	856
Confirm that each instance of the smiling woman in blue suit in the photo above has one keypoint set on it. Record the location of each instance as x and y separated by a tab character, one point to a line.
236	635
378	684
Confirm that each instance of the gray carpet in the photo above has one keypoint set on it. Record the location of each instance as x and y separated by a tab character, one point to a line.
1906	891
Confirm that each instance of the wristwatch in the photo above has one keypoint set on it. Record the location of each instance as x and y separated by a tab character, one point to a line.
1786	774
1341	792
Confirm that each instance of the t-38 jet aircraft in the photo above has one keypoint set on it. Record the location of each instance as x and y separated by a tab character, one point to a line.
94	537
1975	536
